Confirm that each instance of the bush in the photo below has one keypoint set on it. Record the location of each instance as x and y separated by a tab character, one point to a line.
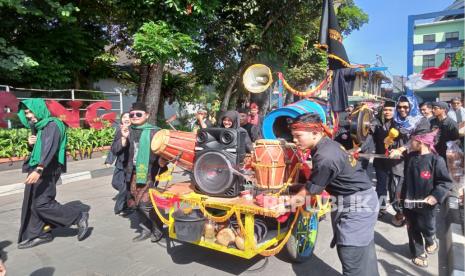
82	142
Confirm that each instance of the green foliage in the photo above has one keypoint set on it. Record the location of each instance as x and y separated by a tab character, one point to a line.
81	142
14	61
13	143
159	42
350	17
458	59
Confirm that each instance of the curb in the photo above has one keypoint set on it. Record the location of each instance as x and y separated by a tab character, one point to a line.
455	241
64	179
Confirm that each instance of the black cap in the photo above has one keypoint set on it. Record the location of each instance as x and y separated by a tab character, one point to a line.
139	106
389	104
422	127
441	105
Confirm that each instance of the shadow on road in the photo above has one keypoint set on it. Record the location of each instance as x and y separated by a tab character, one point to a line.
181	253
3	253
44	271
397	270
313	264
402	250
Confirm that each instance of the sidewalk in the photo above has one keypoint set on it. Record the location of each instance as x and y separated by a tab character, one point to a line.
12	180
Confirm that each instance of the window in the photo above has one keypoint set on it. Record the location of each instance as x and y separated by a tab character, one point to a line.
452	36
429	38
451	74
428	61
451	56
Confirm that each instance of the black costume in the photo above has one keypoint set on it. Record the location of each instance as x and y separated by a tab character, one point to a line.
234	116
118	181
39	204
139	193
448	131
425	175
253	131
353	222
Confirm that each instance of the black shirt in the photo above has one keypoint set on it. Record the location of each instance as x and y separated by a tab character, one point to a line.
426	175
448	131
50	143
336	171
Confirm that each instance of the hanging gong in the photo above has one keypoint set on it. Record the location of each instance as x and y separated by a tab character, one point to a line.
360	124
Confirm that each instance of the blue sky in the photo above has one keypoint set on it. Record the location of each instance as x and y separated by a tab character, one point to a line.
386	32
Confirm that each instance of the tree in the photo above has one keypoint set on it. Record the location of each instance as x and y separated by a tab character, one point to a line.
280	34
157	43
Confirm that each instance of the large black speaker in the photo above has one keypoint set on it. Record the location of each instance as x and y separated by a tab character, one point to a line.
218	152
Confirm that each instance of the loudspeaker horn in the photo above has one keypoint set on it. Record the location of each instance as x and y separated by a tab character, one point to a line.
257	78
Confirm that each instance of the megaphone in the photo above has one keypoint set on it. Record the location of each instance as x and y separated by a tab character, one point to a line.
257	78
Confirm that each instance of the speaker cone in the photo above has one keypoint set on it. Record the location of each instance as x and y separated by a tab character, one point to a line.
226	138
213	173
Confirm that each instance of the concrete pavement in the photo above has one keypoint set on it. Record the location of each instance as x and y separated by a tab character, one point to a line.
110	251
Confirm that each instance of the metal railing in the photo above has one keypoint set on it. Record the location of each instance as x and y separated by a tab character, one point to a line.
117	104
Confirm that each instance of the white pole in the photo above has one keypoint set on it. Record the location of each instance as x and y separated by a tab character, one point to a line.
120	102
8	109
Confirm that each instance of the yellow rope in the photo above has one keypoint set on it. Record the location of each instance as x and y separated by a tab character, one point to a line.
157	211
273	251
307	93
224	218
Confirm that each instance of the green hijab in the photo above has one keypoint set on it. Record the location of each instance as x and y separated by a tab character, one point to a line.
143	154
39	108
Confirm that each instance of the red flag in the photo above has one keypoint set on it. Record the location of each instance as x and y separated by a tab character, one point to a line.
436	73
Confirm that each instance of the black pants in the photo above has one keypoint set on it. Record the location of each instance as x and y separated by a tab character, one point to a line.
358	260
395	183
120	184
382	178
148	218
40	208
420	225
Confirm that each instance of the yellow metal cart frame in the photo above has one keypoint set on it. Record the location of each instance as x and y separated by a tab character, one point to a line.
184	193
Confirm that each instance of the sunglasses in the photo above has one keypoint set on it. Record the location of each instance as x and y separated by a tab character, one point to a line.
136	114
403	107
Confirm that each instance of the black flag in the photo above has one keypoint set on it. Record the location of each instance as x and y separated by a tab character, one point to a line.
330	38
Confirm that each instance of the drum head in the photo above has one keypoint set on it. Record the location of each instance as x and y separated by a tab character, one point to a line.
213	173
159	140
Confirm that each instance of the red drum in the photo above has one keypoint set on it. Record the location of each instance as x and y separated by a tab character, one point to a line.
292	161
268	161
170	143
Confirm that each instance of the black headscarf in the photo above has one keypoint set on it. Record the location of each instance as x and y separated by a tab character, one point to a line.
234	116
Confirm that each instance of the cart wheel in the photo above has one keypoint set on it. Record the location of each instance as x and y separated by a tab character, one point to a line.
300	245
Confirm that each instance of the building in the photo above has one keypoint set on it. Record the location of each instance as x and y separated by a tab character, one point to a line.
431	38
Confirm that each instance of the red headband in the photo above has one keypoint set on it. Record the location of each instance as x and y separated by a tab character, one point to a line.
316	127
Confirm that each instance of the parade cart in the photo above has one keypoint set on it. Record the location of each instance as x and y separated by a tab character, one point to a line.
257	230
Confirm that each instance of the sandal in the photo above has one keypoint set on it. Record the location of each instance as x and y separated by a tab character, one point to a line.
420	261
431	249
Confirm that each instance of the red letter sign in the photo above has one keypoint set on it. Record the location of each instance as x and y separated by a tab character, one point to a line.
7	100
71	118
97	122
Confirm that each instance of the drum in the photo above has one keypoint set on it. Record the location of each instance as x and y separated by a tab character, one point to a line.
292	161
169	144
268	161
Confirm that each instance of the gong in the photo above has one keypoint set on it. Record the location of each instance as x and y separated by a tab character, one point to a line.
360	124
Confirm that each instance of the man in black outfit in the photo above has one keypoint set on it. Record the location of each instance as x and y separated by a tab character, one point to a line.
44	166
253	130
342	176
448	130
141	167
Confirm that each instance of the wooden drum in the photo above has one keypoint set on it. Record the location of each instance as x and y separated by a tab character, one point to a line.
292	161
268	161
170	143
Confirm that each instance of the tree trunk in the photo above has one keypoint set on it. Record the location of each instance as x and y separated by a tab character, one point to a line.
153	90
143	75
232	84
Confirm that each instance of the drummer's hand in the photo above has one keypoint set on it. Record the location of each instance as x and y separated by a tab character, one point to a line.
162	162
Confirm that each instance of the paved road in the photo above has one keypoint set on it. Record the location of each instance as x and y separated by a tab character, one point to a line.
110	251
